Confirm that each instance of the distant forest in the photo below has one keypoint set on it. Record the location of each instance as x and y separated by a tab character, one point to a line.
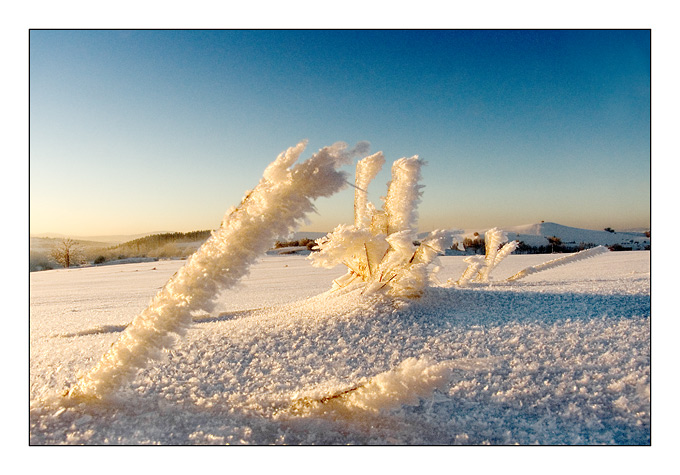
156	240
158	245
67	252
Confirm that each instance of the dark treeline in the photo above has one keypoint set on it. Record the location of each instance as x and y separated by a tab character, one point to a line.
478	246
156	240
304	242
155	245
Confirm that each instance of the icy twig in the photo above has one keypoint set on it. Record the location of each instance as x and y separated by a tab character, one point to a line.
568	259
407	384
474	264
366	171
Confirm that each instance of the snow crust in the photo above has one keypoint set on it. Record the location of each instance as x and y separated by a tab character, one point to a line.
558	357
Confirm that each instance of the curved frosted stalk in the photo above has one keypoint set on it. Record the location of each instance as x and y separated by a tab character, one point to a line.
274	208
407	384
493	238
568	259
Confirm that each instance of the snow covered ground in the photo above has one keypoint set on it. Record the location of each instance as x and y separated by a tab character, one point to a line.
561	357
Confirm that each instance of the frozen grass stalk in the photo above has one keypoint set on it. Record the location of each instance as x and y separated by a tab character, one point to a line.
407	384
403	196
274	208
585	254
366	171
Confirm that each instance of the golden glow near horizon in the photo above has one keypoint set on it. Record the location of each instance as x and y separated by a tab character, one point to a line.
142	131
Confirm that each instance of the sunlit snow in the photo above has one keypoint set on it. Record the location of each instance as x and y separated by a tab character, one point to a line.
559	357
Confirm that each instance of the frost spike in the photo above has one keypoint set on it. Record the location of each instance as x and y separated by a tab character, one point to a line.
474	263
368	261
406	384
505	251
493	238
367	169
403	195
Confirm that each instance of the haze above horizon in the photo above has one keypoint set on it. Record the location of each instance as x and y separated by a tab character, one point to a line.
132	130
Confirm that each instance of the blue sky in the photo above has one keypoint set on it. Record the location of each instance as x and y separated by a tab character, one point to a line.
141	131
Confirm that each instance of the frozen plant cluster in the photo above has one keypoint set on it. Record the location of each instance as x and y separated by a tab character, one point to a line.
378	248
562	359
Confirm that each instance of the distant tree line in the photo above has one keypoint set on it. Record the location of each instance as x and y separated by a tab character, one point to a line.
157	240
155	245
68	253
304	242
553	246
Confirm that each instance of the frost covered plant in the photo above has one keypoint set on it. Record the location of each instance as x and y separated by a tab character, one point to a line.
407	384
412	380
378	249
568	259
479	268
274	208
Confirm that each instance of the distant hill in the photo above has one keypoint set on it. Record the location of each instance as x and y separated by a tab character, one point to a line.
155	240
108	249
537	235
115	239
128	248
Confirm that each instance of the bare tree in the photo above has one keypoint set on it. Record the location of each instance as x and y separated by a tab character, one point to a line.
555	242
67	252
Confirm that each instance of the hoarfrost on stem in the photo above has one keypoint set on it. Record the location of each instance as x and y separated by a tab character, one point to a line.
274	208
561	261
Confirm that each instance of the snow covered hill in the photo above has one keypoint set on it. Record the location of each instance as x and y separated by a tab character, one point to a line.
561	357
537	234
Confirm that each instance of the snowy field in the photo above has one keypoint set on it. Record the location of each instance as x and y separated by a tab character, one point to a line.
560	357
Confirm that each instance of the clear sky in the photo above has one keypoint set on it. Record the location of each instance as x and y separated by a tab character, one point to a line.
142	131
